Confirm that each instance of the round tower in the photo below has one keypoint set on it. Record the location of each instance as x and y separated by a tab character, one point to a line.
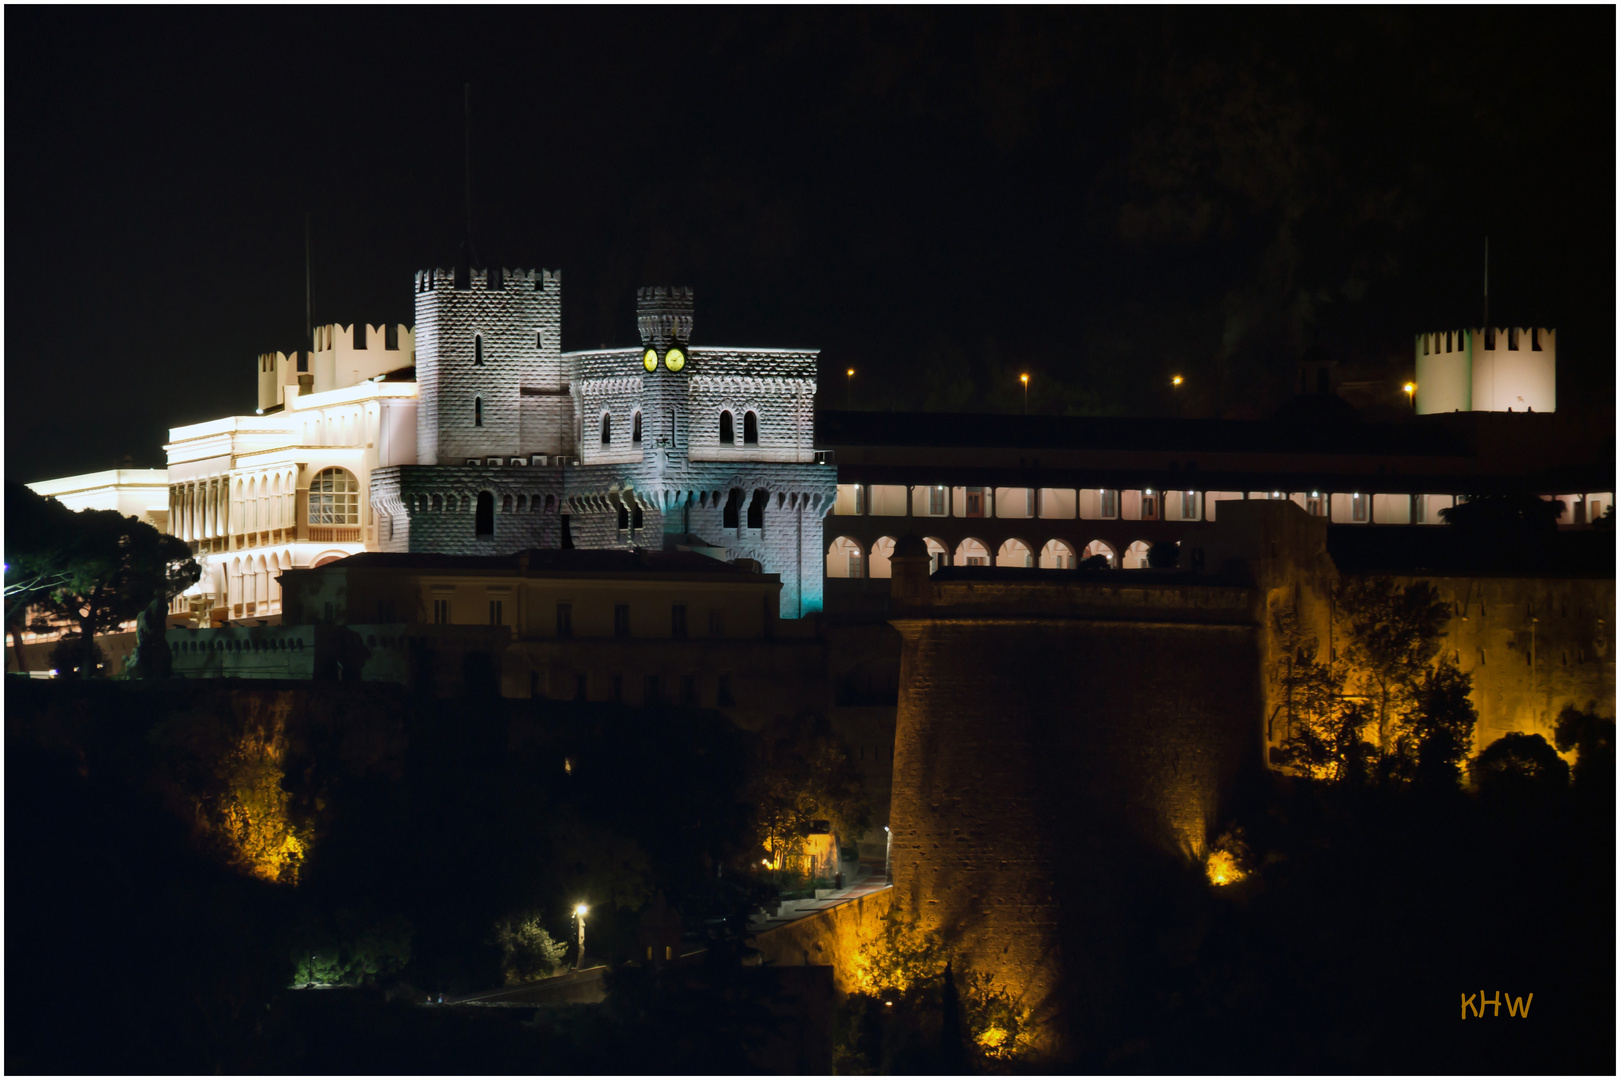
483	339
1490	369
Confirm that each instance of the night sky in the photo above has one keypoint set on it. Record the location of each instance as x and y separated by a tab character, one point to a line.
940	199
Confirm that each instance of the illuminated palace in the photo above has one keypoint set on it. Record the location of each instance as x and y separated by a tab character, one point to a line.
475	434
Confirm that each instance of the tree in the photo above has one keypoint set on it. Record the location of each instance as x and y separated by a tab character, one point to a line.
1094	562
104	569
1323	730
1519	764
1164	555
803	779
38	543
528	952
1392	633
1592	738
1437	726
1497	528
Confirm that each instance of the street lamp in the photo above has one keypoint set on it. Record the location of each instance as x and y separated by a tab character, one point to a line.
1410	388
579	913
1025	380
1175	380
849	388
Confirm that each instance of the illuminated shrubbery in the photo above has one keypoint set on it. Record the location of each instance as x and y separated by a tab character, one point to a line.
528	952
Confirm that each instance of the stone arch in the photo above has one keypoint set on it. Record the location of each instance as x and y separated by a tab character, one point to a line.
1057	555
845	558
261	585
327	557
334	498
938	553
882	548
972	548
1135	557
1103	548
1015	552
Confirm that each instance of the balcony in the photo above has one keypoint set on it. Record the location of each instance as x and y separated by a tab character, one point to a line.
330	534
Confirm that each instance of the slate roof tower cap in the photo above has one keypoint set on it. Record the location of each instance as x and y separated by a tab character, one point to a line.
664	316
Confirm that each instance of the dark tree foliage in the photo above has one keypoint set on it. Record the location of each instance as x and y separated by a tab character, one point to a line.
1392	635
1164	554
1437	727
1592	738
1515	530
1518	764
1094	562
96	569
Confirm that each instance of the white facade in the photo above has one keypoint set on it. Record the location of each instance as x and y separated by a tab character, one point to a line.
137	493
1487	370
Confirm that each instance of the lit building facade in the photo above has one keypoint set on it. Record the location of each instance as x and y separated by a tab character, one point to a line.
475	434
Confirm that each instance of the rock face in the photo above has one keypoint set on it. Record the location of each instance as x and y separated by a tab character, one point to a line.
1059	736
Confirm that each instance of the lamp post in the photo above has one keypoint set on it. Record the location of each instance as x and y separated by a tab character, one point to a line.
1411	389
849	388
579	913
1025	380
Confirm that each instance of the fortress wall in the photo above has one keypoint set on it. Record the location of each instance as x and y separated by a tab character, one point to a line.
1040	761
1533	645
828	938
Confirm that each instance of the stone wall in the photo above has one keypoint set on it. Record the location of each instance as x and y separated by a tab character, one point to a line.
517	317
830	938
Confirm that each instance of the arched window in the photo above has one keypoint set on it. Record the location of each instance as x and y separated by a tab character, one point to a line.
756	508
727	436
635	428
607	429
334	498
484	519
750	429
728	516
523	502
844	559
478	412
438	502
478	348
506	504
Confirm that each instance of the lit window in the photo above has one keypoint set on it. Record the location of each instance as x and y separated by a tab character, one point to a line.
1358	508
1108	503
936	501
334	498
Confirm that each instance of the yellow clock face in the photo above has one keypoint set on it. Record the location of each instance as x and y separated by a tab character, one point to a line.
675	359
649	360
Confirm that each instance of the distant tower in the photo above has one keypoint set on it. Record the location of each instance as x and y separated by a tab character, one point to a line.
1487	370
664	318
490	377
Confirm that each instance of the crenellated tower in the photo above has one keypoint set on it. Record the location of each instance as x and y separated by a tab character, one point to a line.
1489	369
489	371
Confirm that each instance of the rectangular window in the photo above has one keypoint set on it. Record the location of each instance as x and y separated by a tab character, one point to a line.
1420	509
937	502
1313	504
649	693
849	501
974	502
1107	503
689	690
724	696
854	564
1014	502
621	620
1150	505
495	618
441	611
717	624
1358	508
565	620
677	620
1189	506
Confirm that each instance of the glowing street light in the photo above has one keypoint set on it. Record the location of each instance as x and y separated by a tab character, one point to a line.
579	913
1410	388
1175	380
849	388
1025	380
